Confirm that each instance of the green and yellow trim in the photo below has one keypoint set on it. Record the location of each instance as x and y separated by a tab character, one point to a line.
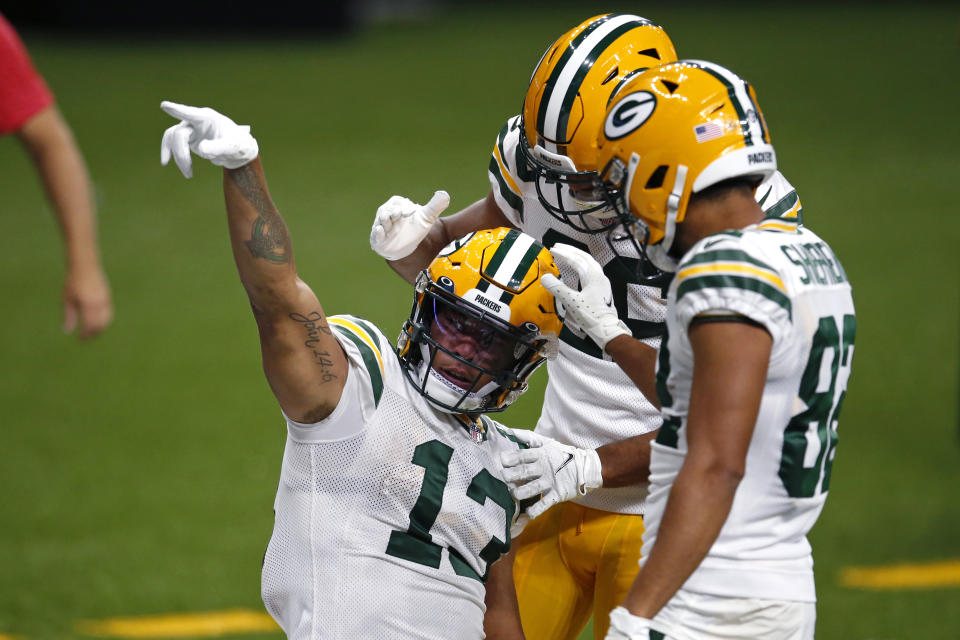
779	225
787	207
368	346
499	170
731	268
735	281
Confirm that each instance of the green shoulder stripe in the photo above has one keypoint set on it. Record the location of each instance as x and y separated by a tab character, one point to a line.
515	201
512	438
725	255
783	205
723	281
501	137
369	361
363	324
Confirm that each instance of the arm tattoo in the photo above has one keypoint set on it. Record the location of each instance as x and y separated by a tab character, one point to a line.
314	325
269	238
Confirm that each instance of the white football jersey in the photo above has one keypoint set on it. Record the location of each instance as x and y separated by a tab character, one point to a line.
388	512
784	277
589	401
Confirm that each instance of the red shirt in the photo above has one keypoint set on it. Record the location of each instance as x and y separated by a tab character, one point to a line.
23	93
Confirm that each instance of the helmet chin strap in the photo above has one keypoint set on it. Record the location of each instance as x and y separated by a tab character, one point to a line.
660	253
631	173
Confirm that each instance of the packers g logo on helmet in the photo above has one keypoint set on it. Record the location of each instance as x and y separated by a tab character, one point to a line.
629	115
566	100
487	286
705	127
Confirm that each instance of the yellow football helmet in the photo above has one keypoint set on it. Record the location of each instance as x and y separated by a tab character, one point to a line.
568	95
480	304
672	131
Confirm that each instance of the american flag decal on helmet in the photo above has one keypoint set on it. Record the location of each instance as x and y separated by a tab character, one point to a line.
707	131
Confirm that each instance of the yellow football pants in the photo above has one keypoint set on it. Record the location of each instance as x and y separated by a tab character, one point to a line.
573	562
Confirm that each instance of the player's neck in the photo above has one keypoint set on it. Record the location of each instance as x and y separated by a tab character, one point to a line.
707	217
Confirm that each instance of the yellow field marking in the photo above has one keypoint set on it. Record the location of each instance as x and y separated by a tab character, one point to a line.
928	575
207	624
6	636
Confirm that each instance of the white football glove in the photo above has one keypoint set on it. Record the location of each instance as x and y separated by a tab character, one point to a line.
626	626
402	224
209	134
591	309
554	471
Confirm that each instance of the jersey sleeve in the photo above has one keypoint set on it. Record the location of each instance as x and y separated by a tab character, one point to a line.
503	172
23	93
364	346
721	277
778	199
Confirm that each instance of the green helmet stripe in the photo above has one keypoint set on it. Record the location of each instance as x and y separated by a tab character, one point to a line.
566	107
756	109
734	100
525	263
564	82
561	63
501	254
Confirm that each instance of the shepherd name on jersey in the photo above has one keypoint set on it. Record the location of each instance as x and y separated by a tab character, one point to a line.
589	401
784	277
388	513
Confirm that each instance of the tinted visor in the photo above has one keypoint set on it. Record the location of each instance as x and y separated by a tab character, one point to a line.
485	342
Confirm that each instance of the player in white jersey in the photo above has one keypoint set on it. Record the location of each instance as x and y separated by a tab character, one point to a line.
580	557
392	510
752	375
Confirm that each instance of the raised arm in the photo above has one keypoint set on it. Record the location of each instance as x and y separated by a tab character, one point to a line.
303	362
409	235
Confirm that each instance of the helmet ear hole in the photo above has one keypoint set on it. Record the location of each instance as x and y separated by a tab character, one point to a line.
653	53
446	283
656	178
670	86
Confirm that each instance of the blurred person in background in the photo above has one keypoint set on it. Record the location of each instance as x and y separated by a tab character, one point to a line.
27	110
392	510
578	558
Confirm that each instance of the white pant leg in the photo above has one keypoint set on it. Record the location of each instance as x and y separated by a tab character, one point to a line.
696	616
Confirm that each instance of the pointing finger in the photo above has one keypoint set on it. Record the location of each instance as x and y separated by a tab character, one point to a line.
182	111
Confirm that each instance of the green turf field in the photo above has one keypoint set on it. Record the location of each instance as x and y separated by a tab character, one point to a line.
138	470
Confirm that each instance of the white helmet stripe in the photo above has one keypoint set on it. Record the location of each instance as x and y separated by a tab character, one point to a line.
737	90
515	255
570	68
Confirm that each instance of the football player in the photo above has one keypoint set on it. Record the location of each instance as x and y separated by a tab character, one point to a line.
391	510
752	372
580	557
